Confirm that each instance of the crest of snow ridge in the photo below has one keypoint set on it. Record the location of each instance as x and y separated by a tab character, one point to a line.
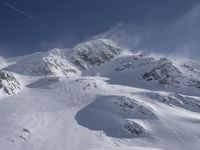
65	62
115	116
88	55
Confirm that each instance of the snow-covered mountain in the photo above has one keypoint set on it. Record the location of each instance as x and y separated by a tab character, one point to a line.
99	96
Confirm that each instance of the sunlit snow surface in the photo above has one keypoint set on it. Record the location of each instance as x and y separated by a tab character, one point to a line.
107	105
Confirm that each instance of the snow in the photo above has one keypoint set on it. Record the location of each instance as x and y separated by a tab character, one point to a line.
3	63
104	106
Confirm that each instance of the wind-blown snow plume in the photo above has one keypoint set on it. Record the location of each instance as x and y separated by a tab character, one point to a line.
180	37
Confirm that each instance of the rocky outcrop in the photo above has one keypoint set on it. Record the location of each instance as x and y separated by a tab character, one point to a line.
95	52
134	128
8	83
194	83
130	108
165	73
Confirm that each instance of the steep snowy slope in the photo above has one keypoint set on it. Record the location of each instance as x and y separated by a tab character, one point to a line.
98	96
40	64
88	113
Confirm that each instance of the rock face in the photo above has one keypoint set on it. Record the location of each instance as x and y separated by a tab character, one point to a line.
194	83
165	72
8	83
134	128
130	108
95	52
182	101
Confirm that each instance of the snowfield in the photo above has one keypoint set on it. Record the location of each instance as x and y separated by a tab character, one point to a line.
98	96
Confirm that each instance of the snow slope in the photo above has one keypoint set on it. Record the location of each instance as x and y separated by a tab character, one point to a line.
98	96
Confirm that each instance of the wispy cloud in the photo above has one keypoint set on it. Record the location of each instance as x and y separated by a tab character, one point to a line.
180	37
24	13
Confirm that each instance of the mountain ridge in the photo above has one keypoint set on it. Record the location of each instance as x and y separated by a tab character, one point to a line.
98	95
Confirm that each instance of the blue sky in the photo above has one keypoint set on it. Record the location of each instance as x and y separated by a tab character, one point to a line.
35	25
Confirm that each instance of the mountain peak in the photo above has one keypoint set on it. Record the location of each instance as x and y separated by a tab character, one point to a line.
95	52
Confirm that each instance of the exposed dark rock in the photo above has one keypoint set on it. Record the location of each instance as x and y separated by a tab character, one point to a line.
165	72
134	128
130	107
8	83
194	83
95	53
